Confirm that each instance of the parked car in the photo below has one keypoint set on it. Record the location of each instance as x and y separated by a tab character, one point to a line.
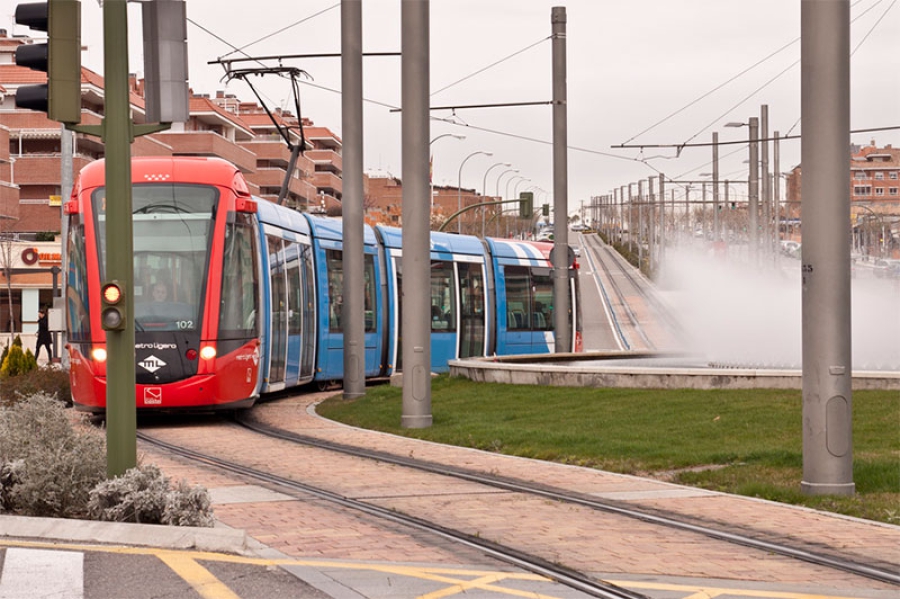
886	268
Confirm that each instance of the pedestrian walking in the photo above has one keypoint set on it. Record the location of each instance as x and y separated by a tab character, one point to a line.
44	339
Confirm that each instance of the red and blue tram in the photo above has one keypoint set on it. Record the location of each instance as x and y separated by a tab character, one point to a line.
235	296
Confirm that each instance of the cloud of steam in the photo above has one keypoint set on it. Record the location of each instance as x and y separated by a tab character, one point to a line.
751	318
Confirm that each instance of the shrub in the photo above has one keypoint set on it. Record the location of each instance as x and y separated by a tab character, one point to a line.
17	361
50	467
143	495
49	380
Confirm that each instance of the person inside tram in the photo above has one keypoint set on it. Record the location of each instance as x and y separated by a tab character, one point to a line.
160	292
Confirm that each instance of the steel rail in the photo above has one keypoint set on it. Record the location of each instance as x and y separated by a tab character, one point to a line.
529	563
506	484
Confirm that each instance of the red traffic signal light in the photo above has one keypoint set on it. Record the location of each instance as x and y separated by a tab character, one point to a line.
112	313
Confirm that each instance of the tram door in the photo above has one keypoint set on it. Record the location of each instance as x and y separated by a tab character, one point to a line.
279	308
471	330
308	351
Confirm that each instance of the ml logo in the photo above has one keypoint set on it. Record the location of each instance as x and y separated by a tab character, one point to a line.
151	363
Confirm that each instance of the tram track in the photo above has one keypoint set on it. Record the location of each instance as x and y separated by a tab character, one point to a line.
565	496
530	563
602	256
653	517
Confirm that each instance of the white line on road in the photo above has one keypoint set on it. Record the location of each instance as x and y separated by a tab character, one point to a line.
41	573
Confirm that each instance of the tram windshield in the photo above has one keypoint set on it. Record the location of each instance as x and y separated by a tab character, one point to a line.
172	232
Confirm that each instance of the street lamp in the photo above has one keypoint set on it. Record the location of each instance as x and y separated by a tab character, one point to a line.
752	186
459	187
484	191
431	174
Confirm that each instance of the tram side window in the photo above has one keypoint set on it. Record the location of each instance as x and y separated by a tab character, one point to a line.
335	264
239	309
529	299
518	298
542	304
443	297
77	284
295	289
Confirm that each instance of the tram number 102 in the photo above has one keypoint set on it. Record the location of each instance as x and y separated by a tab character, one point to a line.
184	325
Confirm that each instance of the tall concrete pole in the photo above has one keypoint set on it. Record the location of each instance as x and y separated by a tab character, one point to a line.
753	193
640	199
67	154
416	261
766	191
825	156
715	167
662	219
353	311
562	309
651	224
776	187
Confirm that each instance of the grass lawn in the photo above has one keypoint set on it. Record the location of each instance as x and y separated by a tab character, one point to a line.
747	442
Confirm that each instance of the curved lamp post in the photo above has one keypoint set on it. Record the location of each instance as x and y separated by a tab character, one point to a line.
484	190
459	185
431	175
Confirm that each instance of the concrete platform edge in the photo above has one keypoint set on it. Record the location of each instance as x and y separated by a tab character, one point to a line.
217	539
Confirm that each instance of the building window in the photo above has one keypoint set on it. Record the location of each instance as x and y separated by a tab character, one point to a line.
859	175
879	176
893	175
862	190
892	191
879	191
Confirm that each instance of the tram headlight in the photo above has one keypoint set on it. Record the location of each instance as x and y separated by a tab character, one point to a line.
208	352
99	354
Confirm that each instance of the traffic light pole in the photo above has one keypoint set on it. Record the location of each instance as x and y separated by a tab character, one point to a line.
456	214
121	411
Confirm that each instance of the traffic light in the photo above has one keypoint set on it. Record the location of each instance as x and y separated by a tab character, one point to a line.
112	312
545	210
59	57
166	92
526	204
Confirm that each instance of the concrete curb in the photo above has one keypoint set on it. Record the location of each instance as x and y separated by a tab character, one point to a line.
222	540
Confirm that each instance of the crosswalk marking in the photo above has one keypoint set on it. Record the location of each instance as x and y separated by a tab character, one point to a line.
42	573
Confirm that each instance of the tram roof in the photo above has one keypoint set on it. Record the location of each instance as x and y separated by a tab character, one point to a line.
326	227
441	243
532	253
199	170
284	218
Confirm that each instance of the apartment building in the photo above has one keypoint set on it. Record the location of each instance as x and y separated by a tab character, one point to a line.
221	126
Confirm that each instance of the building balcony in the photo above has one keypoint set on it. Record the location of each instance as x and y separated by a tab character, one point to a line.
269	179
327	160
207	143
328	182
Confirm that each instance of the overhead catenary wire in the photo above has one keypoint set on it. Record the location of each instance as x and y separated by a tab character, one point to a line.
757	90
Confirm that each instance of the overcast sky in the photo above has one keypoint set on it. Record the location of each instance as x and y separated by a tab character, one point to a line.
631	64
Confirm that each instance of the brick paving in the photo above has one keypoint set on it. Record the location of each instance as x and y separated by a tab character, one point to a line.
574	536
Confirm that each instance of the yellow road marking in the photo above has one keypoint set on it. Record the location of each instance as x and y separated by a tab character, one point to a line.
185	564
484	583
201	579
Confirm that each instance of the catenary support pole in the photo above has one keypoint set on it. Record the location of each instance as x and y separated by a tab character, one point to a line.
825	263
753	193
353	310
416	261
561	303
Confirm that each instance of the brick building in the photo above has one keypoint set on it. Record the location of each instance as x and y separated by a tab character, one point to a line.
874	197
31	179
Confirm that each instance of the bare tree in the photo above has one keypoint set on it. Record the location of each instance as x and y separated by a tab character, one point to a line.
6	262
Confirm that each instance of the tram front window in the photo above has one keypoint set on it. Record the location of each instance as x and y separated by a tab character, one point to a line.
172	229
